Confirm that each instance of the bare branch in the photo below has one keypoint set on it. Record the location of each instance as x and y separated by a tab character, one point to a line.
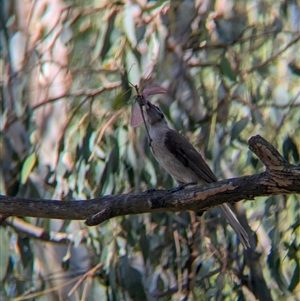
271	58
84	92
30	230
280	177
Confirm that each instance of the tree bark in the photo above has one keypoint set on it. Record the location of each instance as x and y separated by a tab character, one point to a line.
280	177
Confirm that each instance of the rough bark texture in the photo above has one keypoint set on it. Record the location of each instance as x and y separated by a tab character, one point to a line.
280	177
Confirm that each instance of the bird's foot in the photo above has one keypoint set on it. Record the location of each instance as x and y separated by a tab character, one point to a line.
181	186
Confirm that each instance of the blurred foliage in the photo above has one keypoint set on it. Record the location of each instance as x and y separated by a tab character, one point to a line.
230	69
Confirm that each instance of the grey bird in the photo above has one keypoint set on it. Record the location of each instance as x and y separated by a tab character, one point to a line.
181	160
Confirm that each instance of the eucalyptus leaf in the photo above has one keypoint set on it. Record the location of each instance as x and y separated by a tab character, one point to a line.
4	252
133	64
294	282
275	266
128	24
27	167
226	68
290	148
238	127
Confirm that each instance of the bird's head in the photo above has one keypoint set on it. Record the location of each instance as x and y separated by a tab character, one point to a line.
154	114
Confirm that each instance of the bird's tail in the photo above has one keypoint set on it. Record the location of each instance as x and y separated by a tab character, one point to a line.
235	224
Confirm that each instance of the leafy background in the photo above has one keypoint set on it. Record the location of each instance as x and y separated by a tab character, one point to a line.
231	70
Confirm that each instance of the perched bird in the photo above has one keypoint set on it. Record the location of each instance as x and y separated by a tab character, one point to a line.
181	160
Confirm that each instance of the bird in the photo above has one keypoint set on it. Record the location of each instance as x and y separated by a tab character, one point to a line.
183	162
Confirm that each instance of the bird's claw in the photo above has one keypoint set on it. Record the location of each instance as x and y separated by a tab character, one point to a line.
181	186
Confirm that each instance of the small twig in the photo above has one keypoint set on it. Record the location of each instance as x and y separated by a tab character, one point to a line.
178	257
271	58
84	92
85	275
35	232
102	130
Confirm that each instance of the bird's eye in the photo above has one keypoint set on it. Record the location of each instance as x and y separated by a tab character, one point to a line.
159	111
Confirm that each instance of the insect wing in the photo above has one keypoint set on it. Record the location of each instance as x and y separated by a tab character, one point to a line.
155	90
136	115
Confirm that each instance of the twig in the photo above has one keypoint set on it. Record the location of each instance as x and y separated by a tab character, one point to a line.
271	58
22	227
84	92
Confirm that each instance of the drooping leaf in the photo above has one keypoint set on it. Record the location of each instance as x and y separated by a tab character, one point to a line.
27	167
107	36
275	266
128	24
238	128
289	148
295	68
226	68
145	246
119	101
4	252
132	63
294	282
85	148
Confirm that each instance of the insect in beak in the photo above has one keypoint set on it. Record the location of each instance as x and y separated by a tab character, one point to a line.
137	113
155	90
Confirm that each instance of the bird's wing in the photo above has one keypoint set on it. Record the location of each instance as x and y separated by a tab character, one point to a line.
188	156
184	152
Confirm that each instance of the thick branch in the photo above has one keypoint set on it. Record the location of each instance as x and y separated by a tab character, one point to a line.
280	177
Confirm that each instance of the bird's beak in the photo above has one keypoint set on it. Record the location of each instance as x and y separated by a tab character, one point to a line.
150	107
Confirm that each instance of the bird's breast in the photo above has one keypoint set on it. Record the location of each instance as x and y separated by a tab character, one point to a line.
168	161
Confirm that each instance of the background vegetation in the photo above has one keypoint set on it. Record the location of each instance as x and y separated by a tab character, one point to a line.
231	70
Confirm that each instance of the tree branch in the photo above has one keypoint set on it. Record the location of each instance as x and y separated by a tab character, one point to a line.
29	230
271	58
280	177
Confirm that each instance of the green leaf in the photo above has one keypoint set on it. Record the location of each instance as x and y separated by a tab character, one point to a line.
27	167
238	128
145	246
128	24
4	253
295	68
132	62
296	224
226	69
295	278
122	141
275	265
107	38
88	134
99	48
120	100
114	156
289	147
130	279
